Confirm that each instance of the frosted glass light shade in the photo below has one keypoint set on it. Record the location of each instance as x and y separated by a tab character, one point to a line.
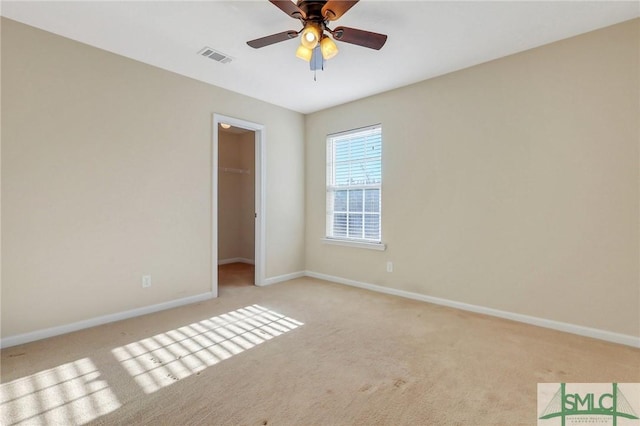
328	48
304	53
310	36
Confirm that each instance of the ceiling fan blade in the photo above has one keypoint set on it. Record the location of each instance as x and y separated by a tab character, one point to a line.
334	9
360	37
273	38
290	8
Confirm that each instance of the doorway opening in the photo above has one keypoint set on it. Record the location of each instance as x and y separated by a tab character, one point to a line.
237	225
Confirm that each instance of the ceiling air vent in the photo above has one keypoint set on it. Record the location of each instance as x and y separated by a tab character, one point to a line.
215	55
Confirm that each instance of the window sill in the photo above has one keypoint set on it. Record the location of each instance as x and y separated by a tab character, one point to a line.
356	244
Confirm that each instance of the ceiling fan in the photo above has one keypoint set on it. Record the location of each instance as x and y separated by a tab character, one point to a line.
315	16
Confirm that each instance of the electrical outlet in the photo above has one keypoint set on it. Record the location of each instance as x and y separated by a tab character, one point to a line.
389	266
146	281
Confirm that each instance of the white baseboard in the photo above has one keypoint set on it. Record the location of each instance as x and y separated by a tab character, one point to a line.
609	336
285	277
236	260
19	339
595	333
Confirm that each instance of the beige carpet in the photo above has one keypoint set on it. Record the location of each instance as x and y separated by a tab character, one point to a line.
304	352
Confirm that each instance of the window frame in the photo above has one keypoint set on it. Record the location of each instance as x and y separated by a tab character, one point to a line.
331	189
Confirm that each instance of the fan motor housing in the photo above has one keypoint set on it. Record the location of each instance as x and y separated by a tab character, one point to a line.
312	9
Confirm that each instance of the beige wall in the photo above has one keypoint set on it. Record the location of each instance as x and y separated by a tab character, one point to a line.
512	185
106	176
236	196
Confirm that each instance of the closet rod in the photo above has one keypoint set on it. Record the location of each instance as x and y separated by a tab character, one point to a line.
233	170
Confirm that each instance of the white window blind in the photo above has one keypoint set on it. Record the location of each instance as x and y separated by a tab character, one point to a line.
354	184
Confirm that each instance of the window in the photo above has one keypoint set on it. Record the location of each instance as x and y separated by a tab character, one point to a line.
354	185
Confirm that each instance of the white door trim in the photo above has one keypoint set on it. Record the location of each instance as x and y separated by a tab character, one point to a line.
260	197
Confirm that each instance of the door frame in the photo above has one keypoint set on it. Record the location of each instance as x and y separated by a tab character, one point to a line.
260	199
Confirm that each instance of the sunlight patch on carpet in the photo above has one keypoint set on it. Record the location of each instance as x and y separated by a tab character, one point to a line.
159	361
71	393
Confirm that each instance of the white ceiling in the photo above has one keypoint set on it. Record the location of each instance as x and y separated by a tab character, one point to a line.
426	39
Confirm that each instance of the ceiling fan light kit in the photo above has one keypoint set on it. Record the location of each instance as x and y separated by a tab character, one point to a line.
316	44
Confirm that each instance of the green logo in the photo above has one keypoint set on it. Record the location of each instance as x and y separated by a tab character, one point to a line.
583	401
